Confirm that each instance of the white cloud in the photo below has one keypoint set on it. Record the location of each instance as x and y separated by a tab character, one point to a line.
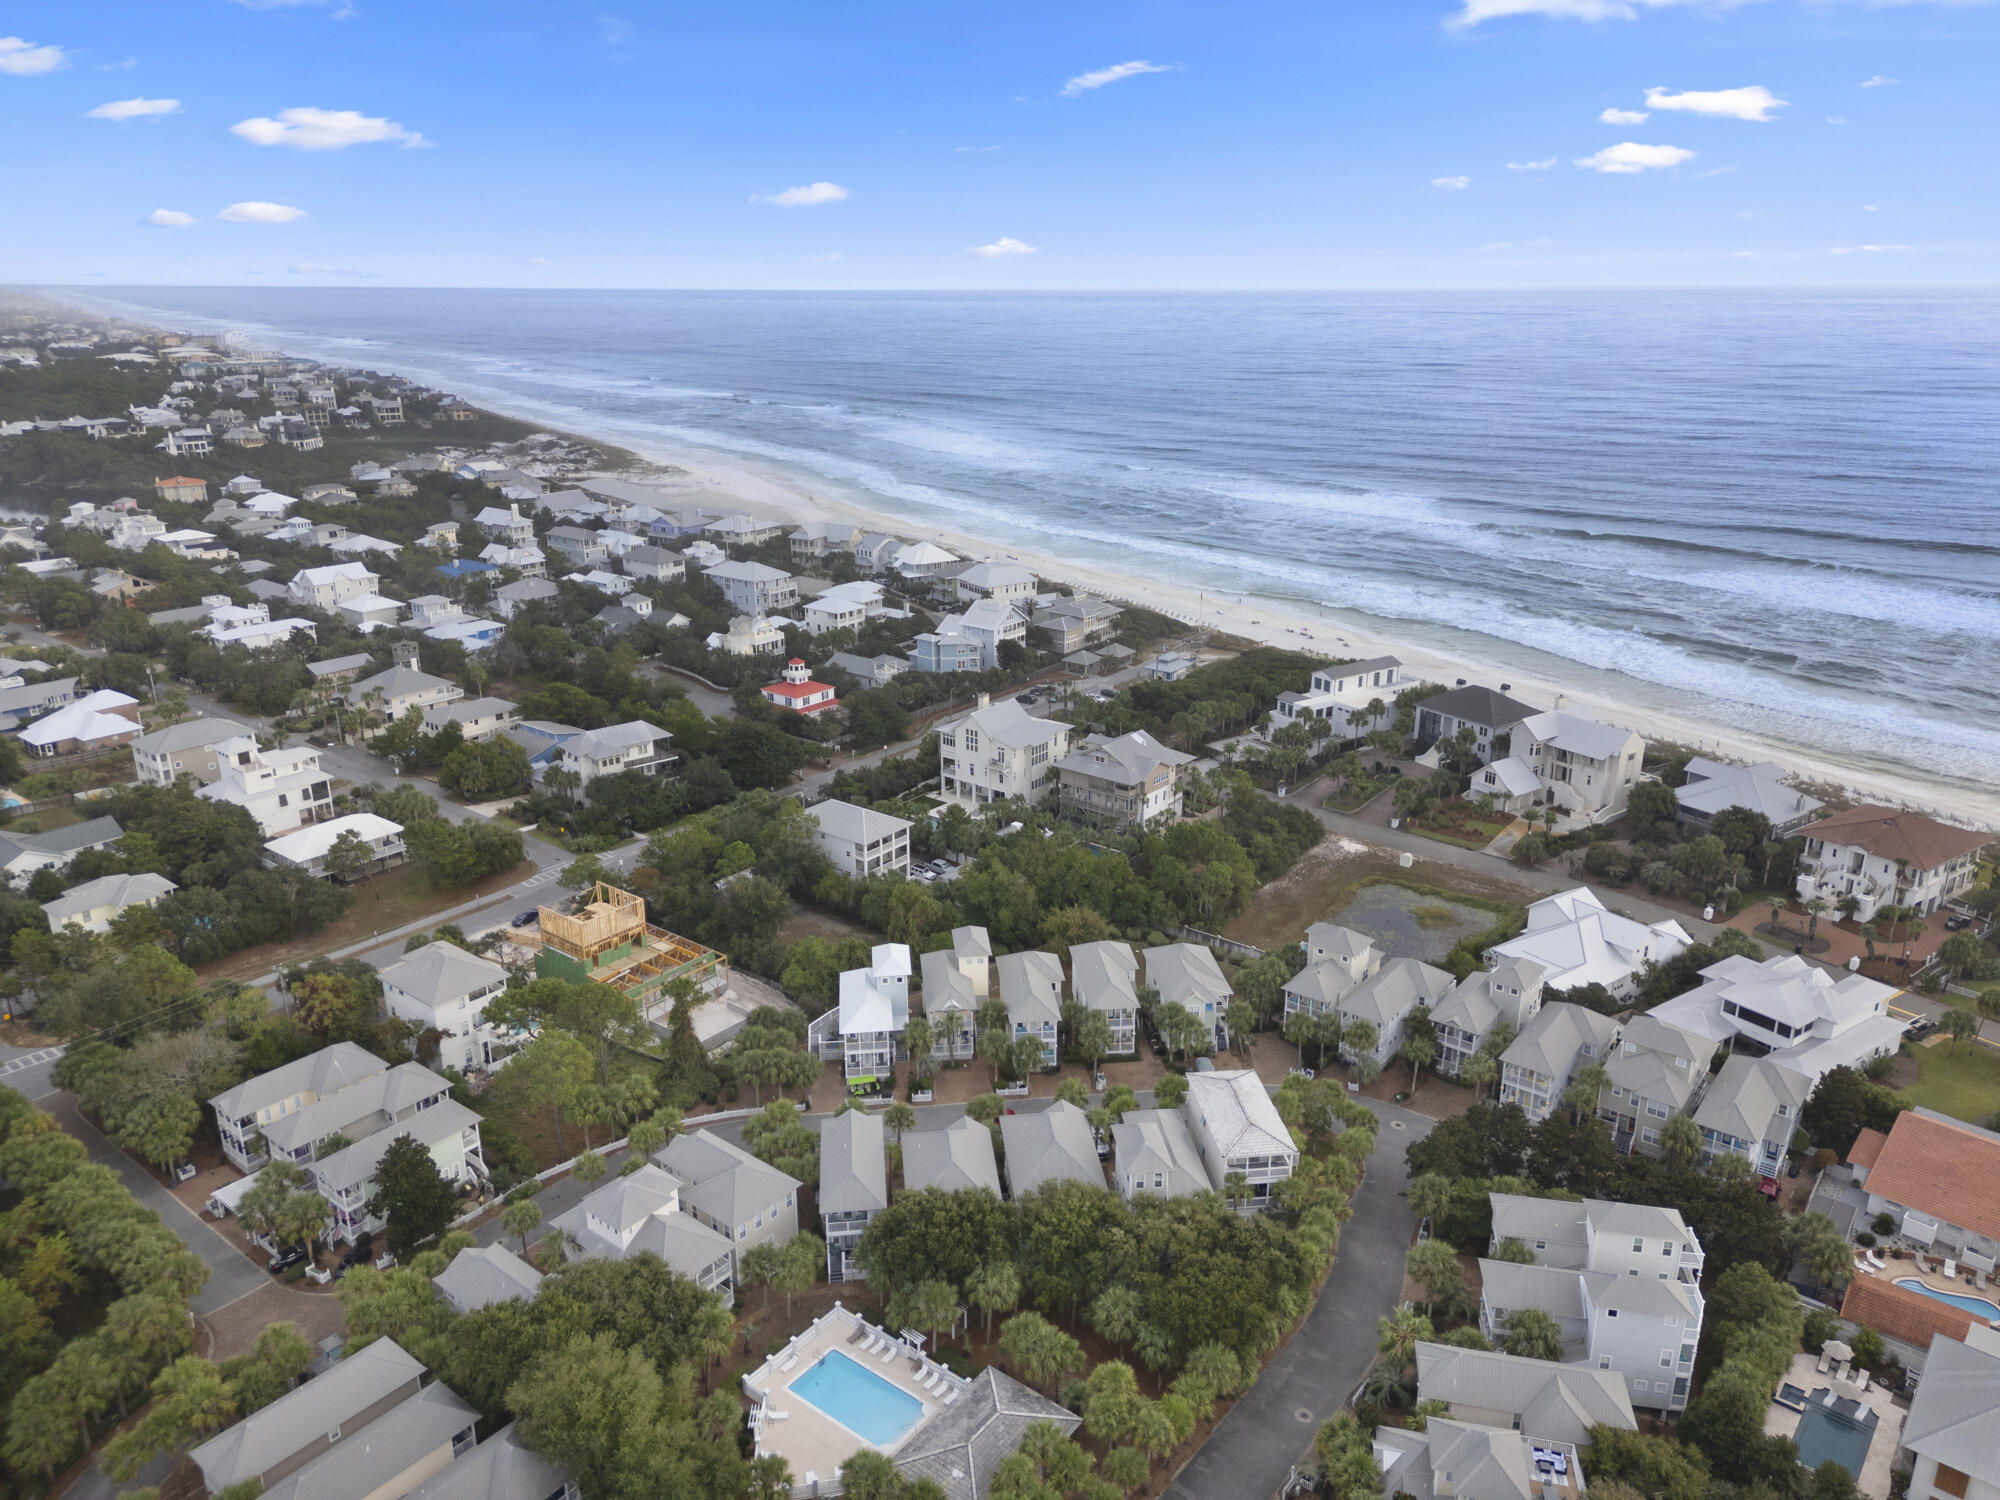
1499	245
538	260
1879	81
1083	83
134	109
258	212
1868	249
1836	119
1719	171
342	8
1451	184
24	58
1005	245
309	268
1869	208
974	148
808	195
1624	117
169	218
1753	103
1628	157
312	129
1540	164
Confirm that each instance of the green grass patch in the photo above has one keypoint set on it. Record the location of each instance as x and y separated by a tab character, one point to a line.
1473	835
1963	1082
1434	916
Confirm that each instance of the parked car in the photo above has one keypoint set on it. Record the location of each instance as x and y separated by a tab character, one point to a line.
528	918
1029	698
284	1260
1957	924
1923	1026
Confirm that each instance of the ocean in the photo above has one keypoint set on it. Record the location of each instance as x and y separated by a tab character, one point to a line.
1774	511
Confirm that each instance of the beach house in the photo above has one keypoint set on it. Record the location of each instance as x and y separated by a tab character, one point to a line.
1577	940
865	1028
1124	782
1939	1179
954	1159
1714	786
1074	623
1187	975
1546	1400
23	854
797	690
748	635
282	789
1952	1433
324	588
1152	1152
1337	960
1031	989
1103	977
443	988
1507	995
817	539
401	690
1051	1145
312	848
1655	1072
1622	1281
1384	1000
957	980
754	588
860	841
1004	581
1800	1013
1354	698
1557	1043
1238	1134
746	1200
997	751
94	905
1561	760
853	1186
641	1213
1882	857
1490	716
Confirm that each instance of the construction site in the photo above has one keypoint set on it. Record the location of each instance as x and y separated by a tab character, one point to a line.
609	941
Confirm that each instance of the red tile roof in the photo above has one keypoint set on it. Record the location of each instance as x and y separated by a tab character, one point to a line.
1947	1171
1894	1312
1867	1148
1924	842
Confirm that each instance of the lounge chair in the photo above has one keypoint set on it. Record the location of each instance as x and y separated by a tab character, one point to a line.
889	1353
933	1380
1822	1362
1951	1270
857	1336
790	1361
1880	1262
1861	1380
951	1395
776	1416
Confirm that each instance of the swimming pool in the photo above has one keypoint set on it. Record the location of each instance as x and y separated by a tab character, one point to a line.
859	1399
1979	1307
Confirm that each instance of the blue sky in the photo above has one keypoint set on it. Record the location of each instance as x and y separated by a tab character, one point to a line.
1336	143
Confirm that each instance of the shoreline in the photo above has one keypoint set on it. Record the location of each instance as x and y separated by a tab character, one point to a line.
719	479
759	487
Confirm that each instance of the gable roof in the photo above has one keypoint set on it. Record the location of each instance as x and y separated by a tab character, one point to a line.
1238	1114
323	1072
1867	1147
484	1274
1557	1402
1883	831
1744	1098
366	1460
120	891
1052	1146
192	734
266	1438
1157	1141
1942	1168
1030	986
1714	785
1955	1415
1103	975
1394	990
853	1166
500	1468
958	1156
722	1179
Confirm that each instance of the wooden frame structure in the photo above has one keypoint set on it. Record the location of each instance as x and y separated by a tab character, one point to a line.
610	942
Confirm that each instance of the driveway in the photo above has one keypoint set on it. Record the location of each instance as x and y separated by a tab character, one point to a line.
1271	1428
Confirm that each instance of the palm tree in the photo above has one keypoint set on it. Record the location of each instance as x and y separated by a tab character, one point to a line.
1533	1334
1235	1188
588	1168
1581	1097
1815	909
1397	1336
900	1117
1478	1073
521	1218
994	1286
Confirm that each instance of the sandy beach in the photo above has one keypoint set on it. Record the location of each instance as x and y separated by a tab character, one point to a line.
727	482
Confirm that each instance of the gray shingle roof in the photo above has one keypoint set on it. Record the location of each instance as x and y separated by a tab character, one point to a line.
498	1469
1052	1146
485	1274
961	1445
722	1179
1955	1417
853	1166
958	1156
68	840
440	972
191	734
1549	1043
362	1462
120	891
266	1438
1104	975
1156	1141
322	1072
1478	705
1560	1403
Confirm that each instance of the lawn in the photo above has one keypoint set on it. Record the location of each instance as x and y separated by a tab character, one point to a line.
1467	830
1963	1082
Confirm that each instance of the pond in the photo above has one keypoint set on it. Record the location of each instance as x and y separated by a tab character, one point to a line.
1390	914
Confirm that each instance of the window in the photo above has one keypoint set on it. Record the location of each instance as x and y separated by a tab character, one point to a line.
1541	1244
1603	1361
1638	1247
1666	1359
1611	1312
1949	1481
1666	1247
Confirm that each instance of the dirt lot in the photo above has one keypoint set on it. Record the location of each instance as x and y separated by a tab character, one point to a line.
1318	887
380	905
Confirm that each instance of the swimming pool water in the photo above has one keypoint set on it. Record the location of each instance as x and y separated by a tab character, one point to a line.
1979	1307
858	1399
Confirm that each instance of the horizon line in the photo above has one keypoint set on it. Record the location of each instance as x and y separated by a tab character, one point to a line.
1615	286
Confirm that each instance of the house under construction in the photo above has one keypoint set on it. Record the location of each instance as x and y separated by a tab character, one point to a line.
610	942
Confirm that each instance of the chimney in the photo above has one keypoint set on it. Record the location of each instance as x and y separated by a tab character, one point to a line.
984	700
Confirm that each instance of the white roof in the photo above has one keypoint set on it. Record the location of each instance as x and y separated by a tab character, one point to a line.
314	577
84	720
1516	777
1713	785
918	554
1577	941
313	841
1579	736
747	572
1238	1114
860	825
1007	723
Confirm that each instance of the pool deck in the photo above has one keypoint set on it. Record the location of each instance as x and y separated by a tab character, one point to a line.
1873	1480
1968	1283
812	1442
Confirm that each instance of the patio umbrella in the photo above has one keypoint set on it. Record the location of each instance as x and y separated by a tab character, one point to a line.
1836	1350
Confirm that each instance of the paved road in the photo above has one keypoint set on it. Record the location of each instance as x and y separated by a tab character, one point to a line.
1271	1428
